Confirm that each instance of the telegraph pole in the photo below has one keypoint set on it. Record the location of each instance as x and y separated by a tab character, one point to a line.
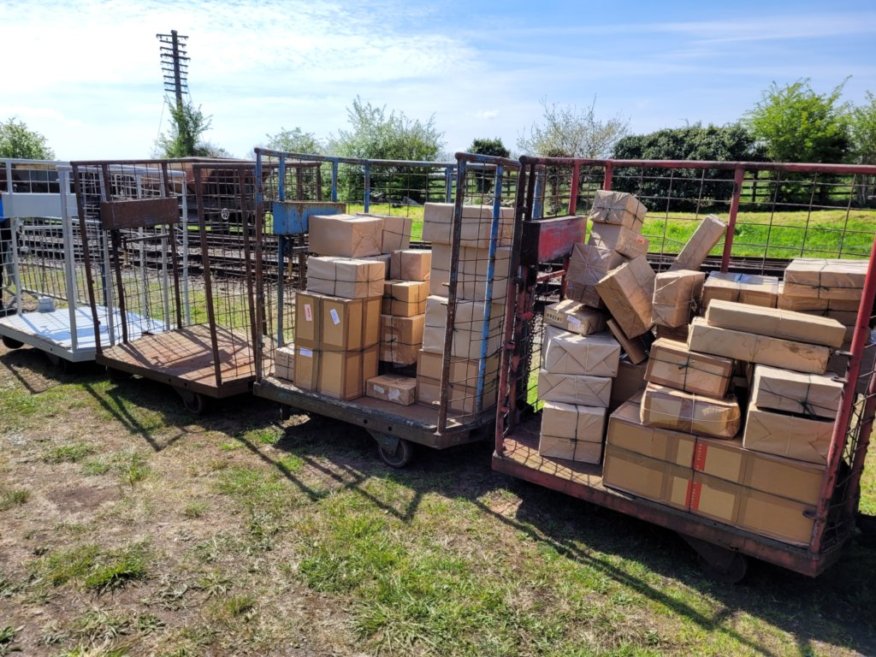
174	65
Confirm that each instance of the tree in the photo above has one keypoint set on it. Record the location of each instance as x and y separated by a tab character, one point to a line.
295	141
494	147
18	141
189	125
566	131
863	134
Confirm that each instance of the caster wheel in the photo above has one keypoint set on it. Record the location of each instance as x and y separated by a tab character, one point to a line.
730	572
398	455
285	412
12	343
193	402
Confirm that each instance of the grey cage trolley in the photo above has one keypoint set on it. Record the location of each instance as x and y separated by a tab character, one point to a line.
397	429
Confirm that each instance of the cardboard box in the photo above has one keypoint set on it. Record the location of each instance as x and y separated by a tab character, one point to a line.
404	298
793	392
626	431
349	278
342	374
625	241
768	515
385	258
393	388
706	236
396	234
678	333
460	398
676	297
729	460
673	365
619	208
776	323
581	389
468	335
569	353
476	225
306	368
760	349
471	281
401	338
462	370
345	235
787	435
648	478
826	279
411	265
587	266
335	324
575	317
682	411
809	302
284	362
571	431
628	383
632	348
627	291
743	288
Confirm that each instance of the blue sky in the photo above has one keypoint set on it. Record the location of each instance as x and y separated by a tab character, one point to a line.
87	74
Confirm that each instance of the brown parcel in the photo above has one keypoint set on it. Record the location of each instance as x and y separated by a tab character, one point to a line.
396	234
411	265
672	364
393	388
472	277
649	478
810	303
349	278
760	349
752	510
627	292
306	368
404	298
468	329
284	362
401	338
787	435
580	389
587	266
681	411
569	353
825	279
342	374
570	431
776	323
625	241
335	324
729	460
626	431
679	333
676	295
618	208
744	288
345	235
385	258
574	316
630	381
460	398
476	224
462	370
793	392
632	348
701	242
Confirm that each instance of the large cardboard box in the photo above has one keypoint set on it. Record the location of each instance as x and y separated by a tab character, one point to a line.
571	431
681	411
404	298
401	338
472	265
627	291
463	371
809	302
745	288
787	435
676	296
672	364
284	362
336	324
628	383
342	374
694	253
350	278
411	265
468	338
345	235
655	480
793	392
307	365
574	316
401	390
581	389
826	279
587	266
396	234
476	225
625	241
626	431
618	208
753	348
569	353
729	460
776	323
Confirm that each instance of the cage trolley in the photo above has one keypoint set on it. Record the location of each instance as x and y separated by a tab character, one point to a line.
753	195
402	186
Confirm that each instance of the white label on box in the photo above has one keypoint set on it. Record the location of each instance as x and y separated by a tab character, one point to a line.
307	353
574	324
308	312
335	318
394	394
379	389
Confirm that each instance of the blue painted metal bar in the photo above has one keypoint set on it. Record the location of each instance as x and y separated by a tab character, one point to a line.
367	204
538	200
281	250
335	181
448	184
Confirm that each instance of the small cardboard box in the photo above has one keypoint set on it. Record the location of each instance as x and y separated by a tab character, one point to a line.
619	208
571	431
632	348
471	278
787	435
410	265
776	323
676	296
826	279
809	302
672	364
336	324
463	371
393	388
706	236
284	362
342	374
401	338
681	411
793	392
678	333
651	479
404	298
587	266
396	234
625	241
574	389
349	278
626	431
575	317
627	292
385	258
760	349
768	515
461	398
345	235
729	460
628	383
468	337
569	353
743	288
476	225
306	368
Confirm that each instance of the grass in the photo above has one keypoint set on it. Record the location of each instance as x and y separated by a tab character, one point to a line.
70	453
12	498
94	568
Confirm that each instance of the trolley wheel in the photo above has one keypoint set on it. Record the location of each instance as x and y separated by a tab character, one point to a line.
719	563
193	402
60	364
117	376
12	343
285	412
395	452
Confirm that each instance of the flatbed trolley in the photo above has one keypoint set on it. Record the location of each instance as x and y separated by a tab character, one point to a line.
722	549
396	429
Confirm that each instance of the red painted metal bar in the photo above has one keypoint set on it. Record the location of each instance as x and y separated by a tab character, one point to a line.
738	178
861	448
608	175
573	192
